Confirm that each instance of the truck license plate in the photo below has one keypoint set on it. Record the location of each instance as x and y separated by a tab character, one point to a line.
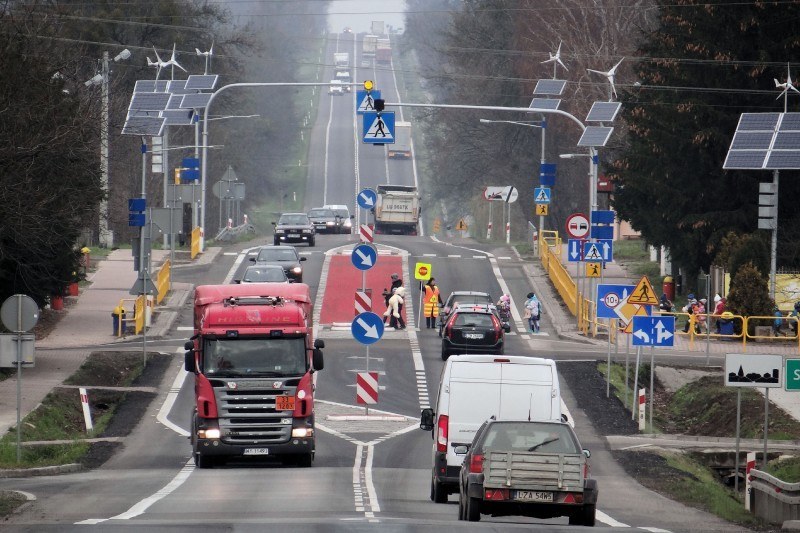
256	451
473	335
284	403
533	496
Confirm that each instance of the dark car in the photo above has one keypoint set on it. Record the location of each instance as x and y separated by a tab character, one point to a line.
263	274
284	256
294	227
526	468
462	297
473	329
324	220
345	219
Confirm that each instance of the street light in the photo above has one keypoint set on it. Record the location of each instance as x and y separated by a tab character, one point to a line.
106	237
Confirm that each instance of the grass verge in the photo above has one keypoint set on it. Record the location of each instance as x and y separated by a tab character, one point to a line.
10	501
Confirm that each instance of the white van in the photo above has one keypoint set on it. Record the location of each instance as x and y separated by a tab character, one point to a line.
474	388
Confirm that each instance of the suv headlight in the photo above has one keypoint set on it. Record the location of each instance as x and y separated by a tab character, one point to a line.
348	223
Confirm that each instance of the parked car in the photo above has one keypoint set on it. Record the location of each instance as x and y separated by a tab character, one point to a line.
325	220
284	256
263	274
345	218
293	227
475	329
459	297
526	468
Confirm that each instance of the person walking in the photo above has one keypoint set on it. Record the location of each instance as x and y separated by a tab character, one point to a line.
395	308
387	293
533	309
431	302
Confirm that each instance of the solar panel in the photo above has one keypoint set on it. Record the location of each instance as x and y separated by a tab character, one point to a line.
787	140
178	117
175	101
595	136
603	111
149	101
790	122
783	159
545	103
758	121
745	159
201	82
177	87
195	101
751	140
149	86
152	126
551	87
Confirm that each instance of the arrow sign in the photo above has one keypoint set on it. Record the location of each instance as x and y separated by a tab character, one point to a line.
364	256
366	198
653	330
664	334
575	250
367	328
642	336
607	250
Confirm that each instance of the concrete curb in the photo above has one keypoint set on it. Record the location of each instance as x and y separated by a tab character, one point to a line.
42	471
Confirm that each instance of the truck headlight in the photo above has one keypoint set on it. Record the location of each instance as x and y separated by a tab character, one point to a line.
297	270
301	433
210	433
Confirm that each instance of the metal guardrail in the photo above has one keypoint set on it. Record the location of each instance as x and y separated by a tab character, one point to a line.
773	500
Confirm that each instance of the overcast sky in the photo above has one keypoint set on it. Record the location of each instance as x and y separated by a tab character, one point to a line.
359	14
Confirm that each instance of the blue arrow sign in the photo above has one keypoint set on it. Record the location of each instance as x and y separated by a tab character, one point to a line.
609	297
367	328
365	101
575	250
602	250
379	127
364	256
653	330
541	195
366	198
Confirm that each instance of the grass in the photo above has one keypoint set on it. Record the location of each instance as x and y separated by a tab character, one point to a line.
631	250
787	470
618	379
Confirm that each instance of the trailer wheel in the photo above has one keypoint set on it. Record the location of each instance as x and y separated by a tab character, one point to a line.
473	510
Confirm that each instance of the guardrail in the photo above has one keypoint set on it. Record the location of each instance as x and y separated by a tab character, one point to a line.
773	500
163	280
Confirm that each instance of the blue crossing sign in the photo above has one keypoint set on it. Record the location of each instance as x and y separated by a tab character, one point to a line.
575	249
602	250
541	195
365	101
367	328
364	256
378	127
653	330
366	198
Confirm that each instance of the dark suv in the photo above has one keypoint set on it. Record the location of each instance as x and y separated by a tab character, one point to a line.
294	227
473	329
457	298
324	220
284	256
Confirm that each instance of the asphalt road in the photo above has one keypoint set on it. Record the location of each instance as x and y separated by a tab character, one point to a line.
368	475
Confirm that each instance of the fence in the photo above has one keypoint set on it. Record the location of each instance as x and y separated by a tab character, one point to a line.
773	500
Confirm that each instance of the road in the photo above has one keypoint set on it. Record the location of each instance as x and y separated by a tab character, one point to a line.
368	475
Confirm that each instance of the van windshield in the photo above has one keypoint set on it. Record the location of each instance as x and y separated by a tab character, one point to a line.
265	357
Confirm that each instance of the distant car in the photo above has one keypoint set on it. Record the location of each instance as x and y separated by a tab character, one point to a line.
293	227
263	274
344	77
457	297
526	468
336	88
347	29
366	63
473	329
324	220
345	218
284	256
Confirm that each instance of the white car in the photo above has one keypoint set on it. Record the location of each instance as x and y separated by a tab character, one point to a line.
335	88
343	77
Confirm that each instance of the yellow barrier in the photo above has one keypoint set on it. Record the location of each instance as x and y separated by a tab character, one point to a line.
127	304
785	333
196	235
138	315
550	256
162	280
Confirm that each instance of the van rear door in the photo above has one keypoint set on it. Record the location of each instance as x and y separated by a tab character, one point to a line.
474	398
527	392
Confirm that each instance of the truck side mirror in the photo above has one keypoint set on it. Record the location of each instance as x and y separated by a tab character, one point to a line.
319	344
587	453
426	420
303	258
316	359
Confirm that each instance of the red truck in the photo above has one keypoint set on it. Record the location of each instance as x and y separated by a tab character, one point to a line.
253	356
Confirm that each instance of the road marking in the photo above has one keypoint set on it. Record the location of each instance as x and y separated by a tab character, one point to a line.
239	259
636	446
169	402
607	520
655	529
456	256
230	253
185	328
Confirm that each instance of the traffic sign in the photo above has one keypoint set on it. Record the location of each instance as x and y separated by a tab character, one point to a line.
653	330
792	371
577	226
547	174
508	194
366	233
753	370
19	313
378	127
542	209
593	270
643	294
367	328
462	226
422	271
365	100
603	225
367	388
609	297
602	217
541	195
364	256
599	251
575	250
367	198
363	301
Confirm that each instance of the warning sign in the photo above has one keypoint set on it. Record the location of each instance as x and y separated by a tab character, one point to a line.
542	209
461	226
593	270
643	294
422	271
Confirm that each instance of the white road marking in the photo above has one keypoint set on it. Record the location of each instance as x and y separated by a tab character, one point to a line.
230	253
655	529
185	328
647	445
607	520
169	402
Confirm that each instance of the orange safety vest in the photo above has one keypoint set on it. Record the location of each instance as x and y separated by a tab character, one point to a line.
431	301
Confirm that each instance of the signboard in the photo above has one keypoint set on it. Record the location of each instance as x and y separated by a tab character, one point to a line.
575	249
643	293
613	302
602	225
753	370
363	301
792	371
593	270
366	198
578	226
364	256
541	195
367	388
542	209
653	330
462	225
422	271
547	174
437	225
366	233
378	127
599	251
367	328
365	101
508	194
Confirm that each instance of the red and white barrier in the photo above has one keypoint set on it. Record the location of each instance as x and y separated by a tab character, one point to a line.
87	412
642	409
489	231
363	301
366	233
751	464
367	388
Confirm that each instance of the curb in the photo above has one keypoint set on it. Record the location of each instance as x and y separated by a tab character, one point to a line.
41	471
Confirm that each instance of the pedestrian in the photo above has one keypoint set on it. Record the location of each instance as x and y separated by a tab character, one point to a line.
665	304
794	316
700	313
504	308
387	293
719	308
777	324
395	308
690	308
533	310
431	302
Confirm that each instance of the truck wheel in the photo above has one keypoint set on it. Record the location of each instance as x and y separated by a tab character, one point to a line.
473	510
305	460
587	515
438	492
203	461
276	241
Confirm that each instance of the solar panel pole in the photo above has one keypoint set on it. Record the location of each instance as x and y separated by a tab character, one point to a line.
774	245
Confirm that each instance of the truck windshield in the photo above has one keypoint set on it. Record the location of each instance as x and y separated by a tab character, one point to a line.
283	356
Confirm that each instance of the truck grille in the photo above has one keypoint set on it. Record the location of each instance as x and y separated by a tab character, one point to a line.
247	413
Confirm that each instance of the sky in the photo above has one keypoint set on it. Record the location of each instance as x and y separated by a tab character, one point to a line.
359	14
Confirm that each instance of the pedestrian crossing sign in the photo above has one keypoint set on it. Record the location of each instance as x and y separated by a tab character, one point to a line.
541	195
365	101
461	226
593	270
542	209
379	127
592	253
643	293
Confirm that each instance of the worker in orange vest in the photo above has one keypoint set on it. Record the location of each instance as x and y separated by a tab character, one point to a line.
431	303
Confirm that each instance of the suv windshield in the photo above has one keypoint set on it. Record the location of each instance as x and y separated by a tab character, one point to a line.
252	357
321	213
277	254
298	220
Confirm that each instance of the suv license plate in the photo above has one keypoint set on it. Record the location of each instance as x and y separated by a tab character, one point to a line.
256	451
473	335
533	496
